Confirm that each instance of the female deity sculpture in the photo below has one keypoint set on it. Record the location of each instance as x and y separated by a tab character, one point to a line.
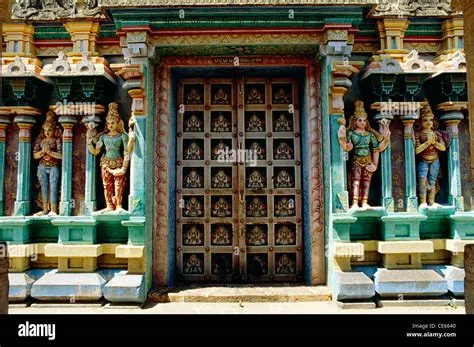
284	180
222	208
221	180
367	145
283	124
256	180
283	151
193	180
255	97
257	151
281	97
429	142
255	123
194	97
220	124
193	124
114	163
256	208
221	97
47	148
256	237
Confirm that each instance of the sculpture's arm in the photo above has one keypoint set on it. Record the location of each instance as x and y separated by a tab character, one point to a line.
420	147
439	143
94	150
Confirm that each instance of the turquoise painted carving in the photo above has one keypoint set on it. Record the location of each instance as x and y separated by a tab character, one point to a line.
22	203
429	142
66	204
115	161
47	149
366	145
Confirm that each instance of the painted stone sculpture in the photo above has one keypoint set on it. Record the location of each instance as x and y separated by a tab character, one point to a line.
47	148
429	142
366	144
114	162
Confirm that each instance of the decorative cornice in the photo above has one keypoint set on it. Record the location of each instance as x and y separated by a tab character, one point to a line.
53	10
180	3
412	8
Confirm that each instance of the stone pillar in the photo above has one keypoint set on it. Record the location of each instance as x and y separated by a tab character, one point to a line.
386	166
90	202
136	201
410	163
468	12
22	203
66	204
392	32
337	49
340	81
451	119
469	280
4	121
4	284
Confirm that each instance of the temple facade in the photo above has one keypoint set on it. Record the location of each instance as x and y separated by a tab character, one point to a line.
154	144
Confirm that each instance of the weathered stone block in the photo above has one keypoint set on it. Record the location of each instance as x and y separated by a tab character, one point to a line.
20	286
401	227
405	247
341	225
76	230
462	226
409	283
68	287
126	288
455	277
352	285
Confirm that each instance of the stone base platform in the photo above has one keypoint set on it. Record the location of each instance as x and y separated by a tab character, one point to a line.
402	284
126	288
70	287
418	302
242	293
352	286
20	286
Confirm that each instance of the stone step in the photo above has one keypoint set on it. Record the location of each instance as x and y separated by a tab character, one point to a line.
241	294
402	284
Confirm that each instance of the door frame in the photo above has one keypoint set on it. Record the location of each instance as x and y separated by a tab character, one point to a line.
164	198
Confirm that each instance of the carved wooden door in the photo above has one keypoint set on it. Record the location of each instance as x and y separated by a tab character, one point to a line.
238	180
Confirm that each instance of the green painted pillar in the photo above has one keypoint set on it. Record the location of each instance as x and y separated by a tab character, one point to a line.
4	121
386	167
452	120
90	200
66	203
136	201
338	167
22	203
410	162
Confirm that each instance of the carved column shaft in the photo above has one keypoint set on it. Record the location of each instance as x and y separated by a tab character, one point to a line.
410	163
66	203
90	199
452	120
3	124
386	166
22	203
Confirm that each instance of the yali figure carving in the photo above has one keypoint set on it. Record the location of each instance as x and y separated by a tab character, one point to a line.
366	144
47	148
114	162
